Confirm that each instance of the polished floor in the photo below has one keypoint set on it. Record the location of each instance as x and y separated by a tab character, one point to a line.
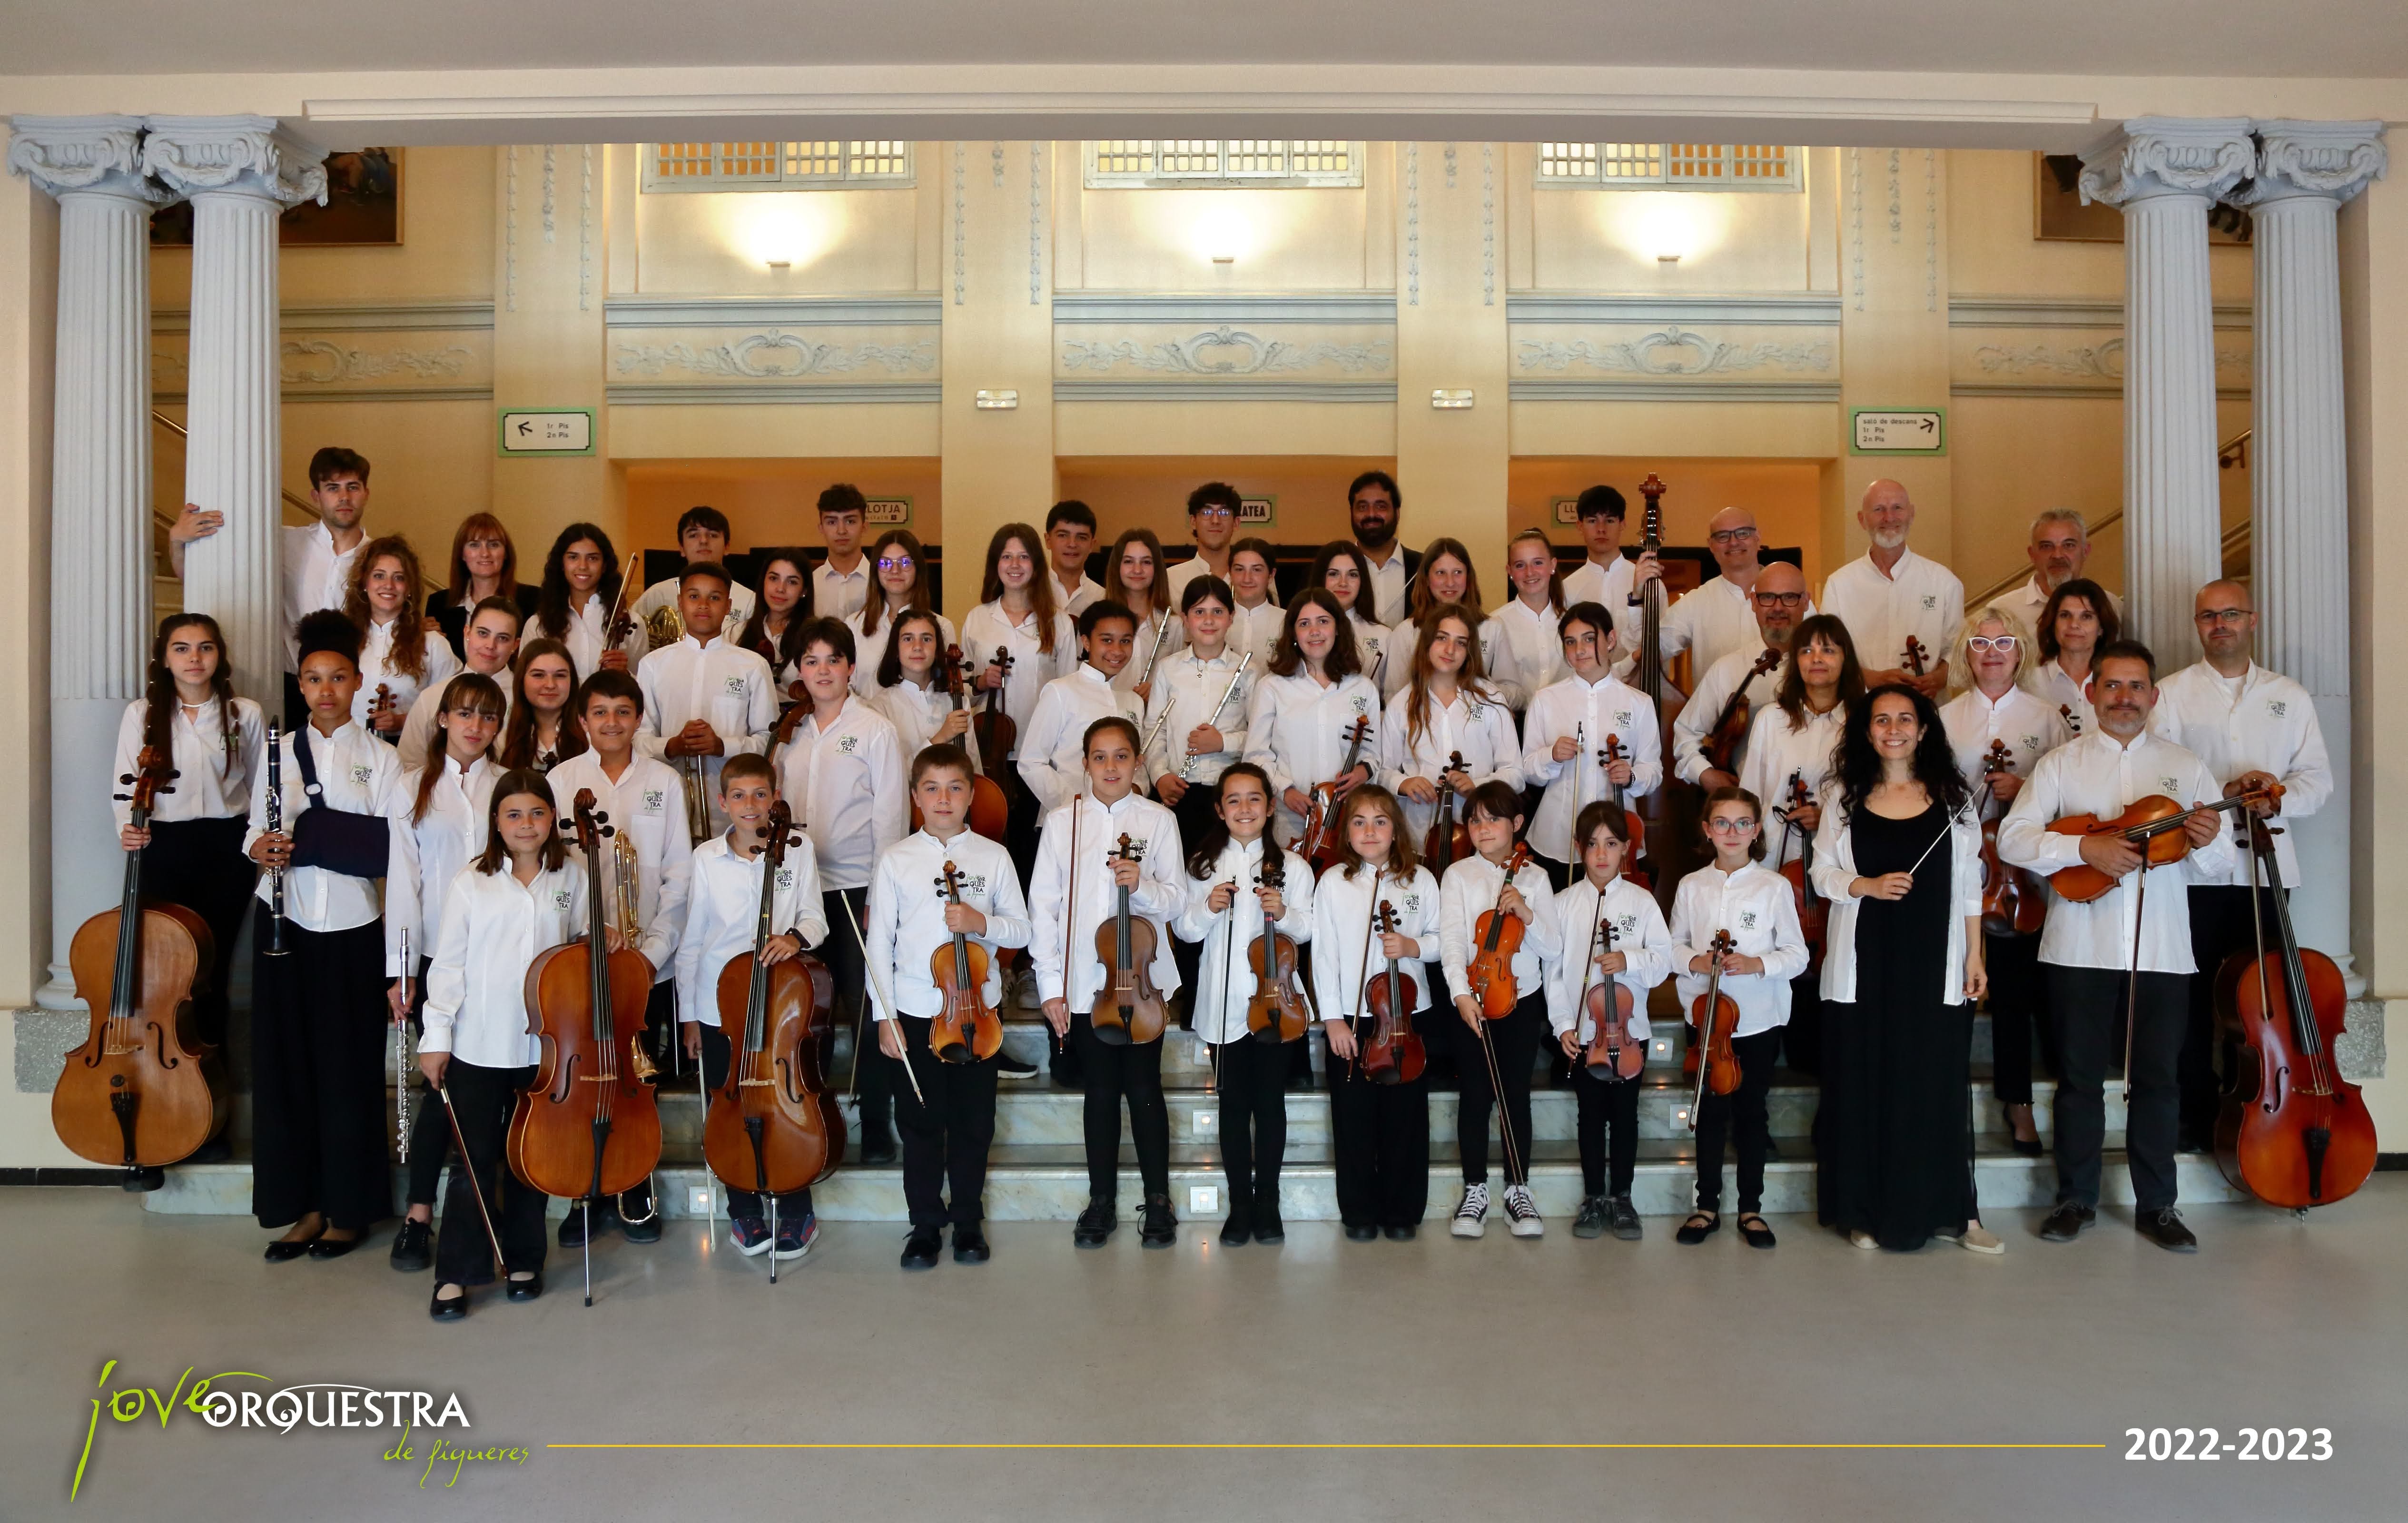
1319	1342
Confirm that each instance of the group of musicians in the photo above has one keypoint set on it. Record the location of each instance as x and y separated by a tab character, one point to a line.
1193	754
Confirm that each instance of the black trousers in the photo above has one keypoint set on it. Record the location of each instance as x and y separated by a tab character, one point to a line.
716	1052
945	1142
1801	1040
1196	815
873	1079
2221	924
2018	1013
482	1099
635	1203
1253	1081
1609	1111
2088	1006
1382	1132
430	1135
1740	1115
1134	1071
199	865
1558	873
1514	1040
319	1034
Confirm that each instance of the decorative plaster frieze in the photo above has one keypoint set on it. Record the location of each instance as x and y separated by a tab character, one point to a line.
1674	351
775	355
1226	352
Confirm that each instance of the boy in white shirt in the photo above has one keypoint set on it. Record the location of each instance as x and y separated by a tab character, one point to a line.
1053	748
1069	540
702	539
947	1120
706	698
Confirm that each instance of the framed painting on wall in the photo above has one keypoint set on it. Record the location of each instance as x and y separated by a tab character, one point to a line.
363	209
2059	214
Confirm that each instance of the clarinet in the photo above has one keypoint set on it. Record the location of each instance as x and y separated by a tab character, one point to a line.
275	826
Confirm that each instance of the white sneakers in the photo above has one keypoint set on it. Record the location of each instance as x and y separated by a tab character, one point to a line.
1467	1217
1523	1213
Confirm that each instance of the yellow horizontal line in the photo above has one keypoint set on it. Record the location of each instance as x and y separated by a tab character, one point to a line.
1335	1445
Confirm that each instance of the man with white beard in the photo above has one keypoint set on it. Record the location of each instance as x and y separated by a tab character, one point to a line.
1890	595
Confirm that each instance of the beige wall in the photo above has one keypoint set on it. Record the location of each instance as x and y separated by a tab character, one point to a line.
770	502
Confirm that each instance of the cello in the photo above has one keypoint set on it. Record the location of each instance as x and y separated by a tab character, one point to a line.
990	811
966	1030
587	1126
1276	1013
143	1091
1319	843
1730	729
1813	912
773	1126
1612	1053
1449	839
1713	1015
1393	1053
2292	1130
1130	1010
1635	831
2012	902
997	734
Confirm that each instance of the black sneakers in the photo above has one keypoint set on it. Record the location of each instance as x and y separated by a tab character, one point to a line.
1095	1223
413	1247
1156	1227
2166	1230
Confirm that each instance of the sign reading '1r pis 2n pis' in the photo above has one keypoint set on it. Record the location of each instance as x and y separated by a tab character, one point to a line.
547	431
1898	431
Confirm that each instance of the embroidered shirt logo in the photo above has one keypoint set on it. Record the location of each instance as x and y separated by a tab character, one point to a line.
360	773
560	900
2031	742
1622	717
1625	926
1362	706
732	686
2168	783
785	878
2277	707
1930	600
1747	920
1412	904
847	744
655	798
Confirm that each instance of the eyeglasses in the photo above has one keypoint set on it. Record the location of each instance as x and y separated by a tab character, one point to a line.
1729	827
2222	615
1779	599
1730	536
1984	644
1214	512
895	563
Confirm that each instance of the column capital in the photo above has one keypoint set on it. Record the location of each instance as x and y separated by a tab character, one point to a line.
245	154
2166	155
64	154
2330	159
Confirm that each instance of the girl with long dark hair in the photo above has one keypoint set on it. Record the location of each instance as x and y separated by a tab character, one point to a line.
580	587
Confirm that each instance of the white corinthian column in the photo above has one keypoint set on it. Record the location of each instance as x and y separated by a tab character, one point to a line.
2165	173
240	173
100	492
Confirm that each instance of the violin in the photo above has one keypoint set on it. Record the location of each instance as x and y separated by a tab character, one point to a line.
1729	731
1130	1010
1634	828
1498	933
383	704
143	1091
1320	840
1449	839
1814	911
2292	1130
773	1126
1916	659
1393	1053
2012	902
587	1126
990	811
1614	1053
2154	824
997	734
1276	1013
967	1029
2072	720
621	623
1713	1015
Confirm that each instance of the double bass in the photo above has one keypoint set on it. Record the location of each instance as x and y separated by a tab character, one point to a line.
1393	1053
2292	1130
143	1091
1277	1011
2012	902
1449	839
966	1030
1814	911
773	1126
1670	816
587	1127
1713	1016
1319	843
1613	1052
1130	1010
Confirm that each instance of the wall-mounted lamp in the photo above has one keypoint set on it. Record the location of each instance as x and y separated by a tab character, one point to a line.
1668	259
1450	400
997	401
780	263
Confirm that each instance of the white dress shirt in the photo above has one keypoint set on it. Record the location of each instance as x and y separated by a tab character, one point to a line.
1917	598
869	649
1173	635
1063	946
1179	576
1529	655
2049	684
1345	955
1705	705
2027	601
1390	596
1710	621
1607	585
212	780
2258	722
1297	732
1776	753
846	786
588	636
417	730
492	931
722	910
1257	631
1835	868
725	685
664	594
1470	889
907	918
647	807
1053	759
2101	775
315	577
841	595
1225	980
1639	934
1754	904
988	629
428	852
917	713
2030	729
1480	730
377	667
357	773
1374	641
1073	600
1187	689
1590	712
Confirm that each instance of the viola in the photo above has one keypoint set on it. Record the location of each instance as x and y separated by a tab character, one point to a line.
2292	1130
1277	1012
1814	911
967	1029
1320	840
1449	839
1635	831
587	1126
143	1091
2154	824
990	811
1498	933
1612	1053
997	734
773	1128
1713	1015
1130	1010
1729	731
2012	902
1393	1053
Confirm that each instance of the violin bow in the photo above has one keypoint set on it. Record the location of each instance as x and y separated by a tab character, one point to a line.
878	992
2132	982
476	1186
1370	919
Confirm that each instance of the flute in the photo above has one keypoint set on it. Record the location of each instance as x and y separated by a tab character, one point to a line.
402	1059
1187	768
275	827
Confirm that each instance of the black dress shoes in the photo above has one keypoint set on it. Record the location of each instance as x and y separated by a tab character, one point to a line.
2065	1221
1362	1232
1405	1233
413	1247
2166	1230
448	1308
526	1290
281	1252
142	1180
326	1247
878	1149
645	1229
969	1245
1095	1223
920	1248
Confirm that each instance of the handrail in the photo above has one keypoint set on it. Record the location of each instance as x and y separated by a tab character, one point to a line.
168	520
2232	452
